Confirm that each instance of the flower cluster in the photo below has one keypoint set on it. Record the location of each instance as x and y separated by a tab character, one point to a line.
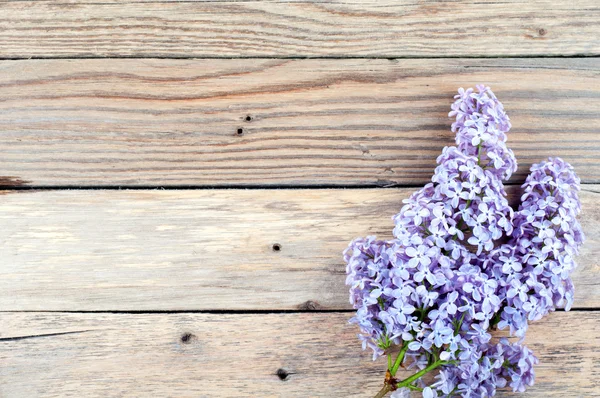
463	262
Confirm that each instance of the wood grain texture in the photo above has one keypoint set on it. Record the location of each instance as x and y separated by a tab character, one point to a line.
386	28
205	250
331	122
239	356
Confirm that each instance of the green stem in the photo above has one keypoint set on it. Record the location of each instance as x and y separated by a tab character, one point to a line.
399	359
393	369
459	324
408	381
423	314
414	388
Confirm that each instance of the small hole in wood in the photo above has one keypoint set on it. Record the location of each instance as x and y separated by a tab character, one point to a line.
282	374
276	247
240	131
248	118
187	338
309	306
542	32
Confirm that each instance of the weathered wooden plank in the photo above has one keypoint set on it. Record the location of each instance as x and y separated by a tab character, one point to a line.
204	250
239	355
334	122
385	28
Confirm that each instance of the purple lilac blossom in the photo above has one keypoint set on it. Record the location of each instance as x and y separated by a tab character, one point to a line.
462	261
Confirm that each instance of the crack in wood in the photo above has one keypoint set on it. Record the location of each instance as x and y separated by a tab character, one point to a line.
33	336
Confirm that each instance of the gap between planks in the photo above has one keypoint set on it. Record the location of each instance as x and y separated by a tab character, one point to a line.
299	57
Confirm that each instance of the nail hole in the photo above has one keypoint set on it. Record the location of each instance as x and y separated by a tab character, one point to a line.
309	306
187	338
282	374
248	118
240	131
542	32
276	247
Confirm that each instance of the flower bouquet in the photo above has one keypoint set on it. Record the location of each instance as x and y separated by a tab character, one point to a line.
463	263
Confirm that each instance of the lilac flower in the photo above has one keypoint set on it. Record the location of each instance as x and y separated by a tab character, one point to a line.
479	333
544	229
424	272
401	393
428	393
510	264
462	262
419	255
440	334
519	367
563	219
518	289
482	241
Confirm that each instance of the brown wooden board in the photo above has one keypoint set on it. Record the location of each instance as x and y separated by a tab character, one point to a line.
311	122
205	249
318	355
384	28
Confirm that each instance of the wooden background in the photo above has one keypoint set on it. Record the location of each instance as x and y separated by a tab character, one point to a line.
179	178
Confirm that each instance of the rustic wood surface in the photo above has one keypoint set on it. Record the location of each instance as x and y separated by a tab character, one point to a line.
207	355
383	28
240	293
331	122
205	249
